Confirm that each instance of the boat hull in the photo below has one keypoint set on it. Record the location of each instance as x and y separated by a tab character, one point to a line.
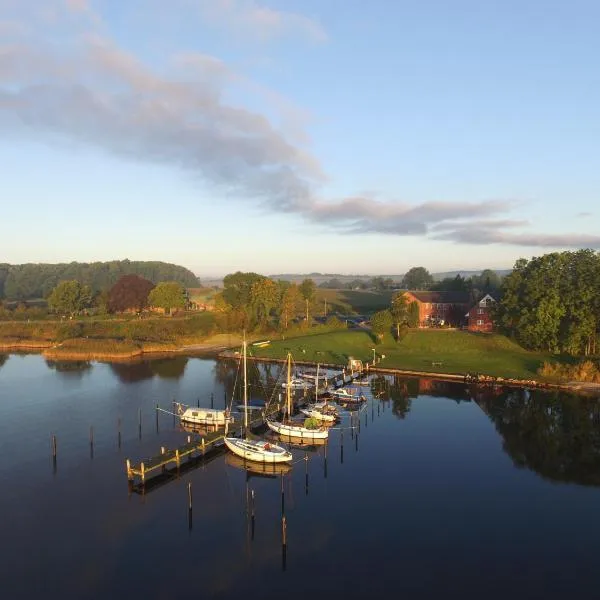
259	451
297	431
317	414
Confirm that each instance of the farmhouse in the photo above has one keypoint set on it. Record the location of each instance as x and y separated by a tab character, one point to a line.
479	316
440	308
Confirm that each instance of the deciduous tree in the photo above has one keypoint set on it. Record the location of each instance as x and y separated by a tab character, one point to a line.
130	292
417	278
381	323
167	295
70	297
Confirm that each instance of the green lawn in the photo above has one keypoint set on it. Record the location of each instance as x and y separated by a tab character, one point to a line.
458	351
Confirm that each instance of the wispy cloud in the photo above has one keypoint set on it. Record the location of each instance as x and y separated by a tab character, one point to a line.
584	214
260	21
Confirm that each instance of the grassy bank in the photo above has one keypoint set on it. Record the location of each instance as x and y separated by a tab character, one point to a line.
452	351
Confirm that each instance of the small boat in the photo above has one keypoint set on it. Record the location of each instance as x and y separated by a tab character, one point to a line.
321	412
297	384
250	449
202	416
344	396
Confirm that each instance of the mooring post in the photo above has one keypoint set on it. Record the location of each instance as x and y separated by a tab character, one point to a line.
252	513
282	497
129	473
140	423
225	399
306	473
143	469
212	400
54	453
203	447
190	505
119	432
189	438
283	542
198	403
356	443
157	417
91	441
162	451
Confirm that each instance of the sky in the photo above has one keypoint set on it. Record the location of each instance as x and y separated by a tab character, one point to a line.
298	136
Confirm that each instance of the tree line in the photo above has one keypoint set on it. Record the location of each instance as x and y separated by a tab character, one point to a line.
552	302
37	280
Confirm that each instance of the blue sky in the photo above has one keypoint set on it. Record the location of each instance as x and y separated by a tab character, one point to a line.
299	135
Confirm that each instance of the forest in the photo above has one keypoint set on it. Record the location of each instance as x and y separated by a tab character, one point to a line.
37	280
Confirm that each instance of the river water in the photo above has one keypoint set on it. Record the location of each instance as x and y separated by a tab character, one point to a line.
449	491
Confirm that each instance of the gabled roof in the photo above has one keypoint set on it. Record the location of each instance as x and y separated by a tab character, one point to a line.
441	297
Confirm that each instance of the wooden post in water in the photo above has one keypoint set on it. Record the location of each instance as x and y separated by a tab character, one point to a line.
212	400
306	473
282	497
140	423
162	451
356	443
190	506
143	473
119	432
53	453
198	403
283	542
157	407
91	441
129	473
252	514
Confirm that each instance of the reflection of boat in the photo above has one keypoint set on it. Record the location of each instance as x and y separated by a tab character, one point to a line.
311	429
202	430
313	378
343	396
295	442
255	450
264	469
202	416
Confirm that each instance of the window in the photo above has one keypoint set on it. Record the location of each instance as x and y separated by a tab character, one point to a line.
480	311
479	322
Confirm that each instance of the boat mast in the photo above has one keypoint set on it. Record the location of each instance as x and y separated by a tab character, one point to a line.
288	389
245	391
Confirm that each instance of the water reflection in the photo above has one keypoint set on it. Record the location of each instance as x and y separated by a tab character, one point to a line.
70	368
270	470
165	368
3	359
557	435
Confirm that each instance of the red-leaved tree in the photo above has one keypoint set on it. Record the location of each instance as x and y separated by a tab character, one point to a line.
130	292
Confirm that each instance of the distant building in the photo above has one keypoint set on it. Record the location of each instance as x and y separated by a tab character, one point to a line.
440	308
480	315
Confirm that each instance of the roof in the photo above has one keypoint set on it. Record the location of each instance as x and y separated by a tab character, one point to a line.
441	297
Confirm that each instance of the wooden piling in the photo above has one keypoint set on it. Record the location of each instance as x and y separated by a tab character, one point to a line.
140	423
129	472
119	432
282	497
157	407
91	441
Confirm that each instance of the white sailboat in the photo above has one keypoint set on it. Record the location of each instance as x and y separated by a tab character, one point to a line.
320	410
255	450
291	429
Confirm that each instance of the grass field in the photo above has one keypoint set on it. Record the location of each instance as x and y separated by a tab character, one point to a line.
351	301
457	351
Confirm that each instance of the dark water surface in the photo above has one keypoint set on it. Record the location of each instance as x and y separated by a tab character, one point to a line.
450	492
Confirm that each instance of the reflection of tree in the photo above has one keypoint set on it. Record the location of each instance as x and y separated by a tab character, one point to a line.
75	368
165	368
3	359
555	435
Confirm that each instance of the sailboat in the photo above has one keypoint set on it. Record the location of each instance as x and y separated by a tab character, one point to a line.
255	450
320	410
289	428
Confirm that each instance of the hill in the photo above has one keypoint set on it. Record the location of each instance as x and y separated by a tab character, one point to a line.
36	280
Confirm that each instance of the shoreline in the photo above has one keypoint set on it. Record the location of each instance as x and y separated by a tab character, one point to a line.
217	349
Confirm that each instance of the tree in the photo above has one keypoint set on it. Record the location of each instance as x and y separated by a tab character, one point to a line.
167	295
307	290
237	288
129	293
70	297
289	298
452	284
264	294
381	323
399	311
417	278
413	314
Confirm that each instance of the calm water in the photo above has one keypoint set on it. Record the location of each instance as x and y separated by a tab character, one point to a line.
448	491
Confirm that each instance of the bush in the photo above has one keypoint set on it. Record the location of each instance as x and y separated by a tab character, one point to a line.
586	370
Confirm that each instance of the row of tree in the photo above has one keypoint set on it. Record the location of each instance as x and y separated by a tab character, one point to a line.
552	302
27	281
130	293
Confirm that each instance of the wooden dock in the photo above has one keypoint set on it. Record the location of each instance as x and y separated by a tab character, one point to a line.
212	441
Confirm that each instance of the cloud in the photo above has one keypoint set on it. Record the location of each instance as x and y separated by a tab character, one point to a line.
255	20
584	214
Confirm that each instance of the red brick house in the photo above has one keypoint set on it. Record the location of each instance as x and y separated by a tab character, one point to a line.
480	317
440	308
